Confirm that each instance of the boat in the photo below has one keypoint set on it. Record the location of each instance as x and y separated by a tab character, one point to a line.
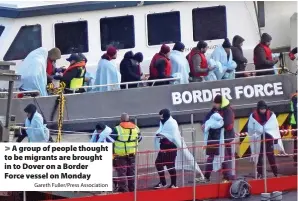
97	25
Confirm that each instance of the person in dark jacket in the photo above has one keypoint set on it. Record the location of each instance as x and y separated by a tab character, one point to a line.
222	106
293	123
263	56
238	56
74	75
160	66
292	53
129	69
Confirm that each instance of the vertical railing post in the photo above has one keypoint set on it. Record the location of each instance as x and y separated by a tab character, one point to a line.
194	155
182	147
255	148
24	196
136	169
264	161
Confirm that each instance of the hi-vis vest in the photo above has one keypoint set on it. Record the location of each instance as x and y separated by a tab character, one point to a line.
293	120
127	140
77	83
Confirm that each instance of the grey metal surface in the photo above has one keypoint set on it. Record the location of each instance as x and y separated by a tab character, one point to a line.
84	110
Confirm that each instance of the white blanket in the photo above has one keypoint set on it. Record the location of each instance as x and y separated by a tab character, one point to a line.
102	136
256	130
171	131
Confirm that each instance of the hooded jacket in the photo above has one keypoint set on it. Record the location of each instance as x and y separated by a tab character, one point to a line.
238	56
129	70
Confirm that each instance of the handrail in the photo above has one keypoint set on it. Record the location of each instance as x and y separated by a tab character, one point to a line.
19	92
263	70
128	83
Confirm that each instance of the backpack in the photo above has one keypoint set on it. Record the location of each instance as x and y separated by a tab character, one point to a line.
240	189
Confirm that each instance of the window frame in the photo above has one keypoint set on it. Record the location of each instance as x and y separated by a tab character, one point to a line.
193	30
115	17
68	22
7	51
147	30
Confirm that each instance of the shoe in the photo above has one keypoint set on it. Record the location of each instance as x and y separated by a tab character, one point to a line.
259	176
225	181
202	180
160	185
173	186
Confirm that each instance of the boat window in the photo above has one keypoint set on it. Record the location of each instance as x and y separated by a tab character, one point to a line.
27	39
1	29
163	28
72	37
117	31
209	23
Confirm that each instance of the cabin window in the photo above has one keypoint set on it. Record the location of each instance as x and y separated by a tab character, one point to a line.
72	37
1	29
27	39
163	28
117	31
209	23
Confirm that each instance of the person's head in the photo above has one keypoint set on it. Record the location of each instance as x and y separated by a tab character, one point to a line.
238	41
100	127
262	107
179	46
138	57
74	58
82	56
30	110
217	101
128	55
124	117
227	45
164	115
202	46
112	52
165	50
266	39
54	54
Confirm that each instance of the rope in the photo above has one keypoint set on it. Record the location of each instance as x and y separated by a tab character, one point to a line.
61	104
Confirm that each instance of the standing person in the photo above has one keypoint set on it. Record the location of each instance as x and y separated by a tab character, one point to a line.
224	55
53	55
167	141
129	69
88	76
126	137
160	66
263	121
198	63
107	71
238	56
179	63
36	130
222	106
263	56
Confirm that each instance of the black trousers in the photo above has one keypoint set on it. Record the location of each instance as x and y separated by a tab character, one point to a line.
269	144
125	168
166	157
295	143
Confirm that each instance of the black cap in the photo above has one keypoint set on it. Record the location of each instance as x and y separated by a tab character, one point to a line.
74	57
100	126
202	44
218	99
265	38
262	105
31	109
179	46
226	43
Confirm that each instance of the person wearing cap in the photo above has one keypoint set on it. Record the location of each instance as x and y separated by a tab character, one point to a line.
179	63
125	137
101	133
53	55
74	75
263	56
224	55
107	72
160	66
35	129
222	106
130	69
238	56
263	123
33	71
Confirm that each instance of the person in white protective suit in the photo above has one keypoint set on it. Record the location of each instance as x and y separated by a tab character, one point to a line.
36	130
180	66
33	71
263	122
224	55
101	133
167	141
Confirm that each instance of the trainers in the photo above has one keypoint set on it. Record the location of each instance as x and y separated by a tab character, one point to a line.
173	186
259	176
202	180
160	185
225	181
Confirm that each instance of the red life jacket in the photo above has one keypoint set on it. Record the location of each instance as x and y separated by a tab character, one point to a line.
153	70
50	67
257	116
204	64
80	64
267	52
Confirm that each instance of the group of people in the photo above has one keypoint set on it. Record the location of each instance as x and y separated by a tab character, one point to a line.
226	62
219	136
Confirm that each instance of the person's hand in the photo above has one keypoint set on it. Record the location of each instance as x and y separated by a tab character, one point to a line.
229	71
203	127
210	68
275	60
247	74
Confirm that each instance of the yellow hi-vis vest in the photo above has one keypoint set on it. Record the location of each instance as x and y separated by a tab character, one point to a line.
77	83
127	141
